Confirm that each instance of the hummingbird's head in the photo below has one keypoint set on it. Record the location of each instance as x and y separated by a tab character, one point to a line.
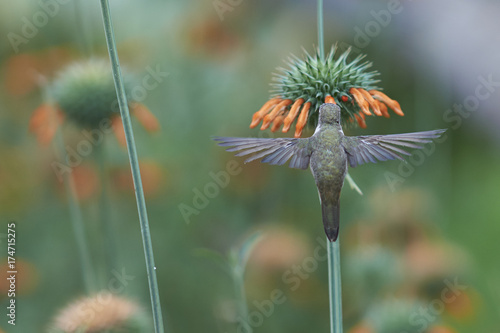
329	114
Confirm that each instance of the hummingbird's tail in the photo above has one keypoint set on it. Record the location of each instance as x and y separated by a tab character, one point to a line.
331	219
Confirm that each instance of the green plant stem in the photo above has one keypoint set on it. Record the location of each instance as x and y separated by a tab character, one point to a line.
321	42
334	282
82	27
134	164
239	285
109	232
88	274
321	47
334	286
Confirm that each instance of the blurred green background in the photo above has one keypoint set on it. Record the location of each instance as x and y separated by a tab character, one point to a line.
417	228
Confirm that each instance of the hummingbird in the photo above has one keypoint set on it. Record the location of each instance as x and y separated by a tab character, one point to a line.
327	153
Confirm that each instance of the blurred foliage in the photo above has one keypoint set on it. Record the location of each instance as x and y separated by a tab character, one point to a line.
403	241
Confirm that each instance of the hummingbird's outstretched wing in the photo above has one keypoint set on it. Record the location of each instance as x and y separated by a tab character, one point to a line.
274	151
370	148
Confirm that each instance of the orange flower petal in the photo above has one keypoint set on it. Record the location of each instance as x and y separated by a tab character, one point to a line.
116	123
27	277
462	307
274	113
370	101
39	117
441	329
294	110
330	99
394	105
302	121
361	120
363	104
85	182
153	178
20	73
361	328
44	123
383	109
396	108
277	122
145	117
257	116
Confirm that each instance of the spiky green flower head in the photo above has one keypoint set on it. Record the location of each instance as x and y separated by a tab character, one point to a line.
85	92
307	83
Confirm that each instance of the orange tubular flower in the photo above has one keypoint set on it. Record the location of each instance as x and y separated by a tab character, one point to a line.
277	122
394	105
370	101
313	81
274	113
257	117
330	99
383	109
294	111
302	121
360	99
361	120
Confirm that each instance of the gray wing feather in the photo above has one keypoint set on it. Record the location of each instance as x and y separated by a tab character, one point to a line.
370	148
261	154
395	150
273	151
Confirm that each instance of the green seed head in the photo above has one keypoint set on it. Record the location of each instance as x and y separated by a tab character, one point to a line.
85	92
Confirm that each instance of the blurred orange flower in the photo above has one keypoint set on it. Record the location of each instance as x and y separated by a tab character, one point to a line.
26	277
441	329
425	259
86	181
279	249
46	119
44	123
152	174
361	328
100	312
210	36
22	71
464	307
84	93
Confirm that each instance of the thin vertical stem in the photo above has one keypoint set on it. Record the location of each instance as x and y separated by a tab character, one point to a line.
334	282
334	286
88	274
321	42
239	285
82	27
110	247
134	164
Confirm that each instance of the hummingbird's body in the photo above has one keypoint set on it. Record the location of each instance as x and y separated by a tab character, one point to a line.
328	164
327	153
